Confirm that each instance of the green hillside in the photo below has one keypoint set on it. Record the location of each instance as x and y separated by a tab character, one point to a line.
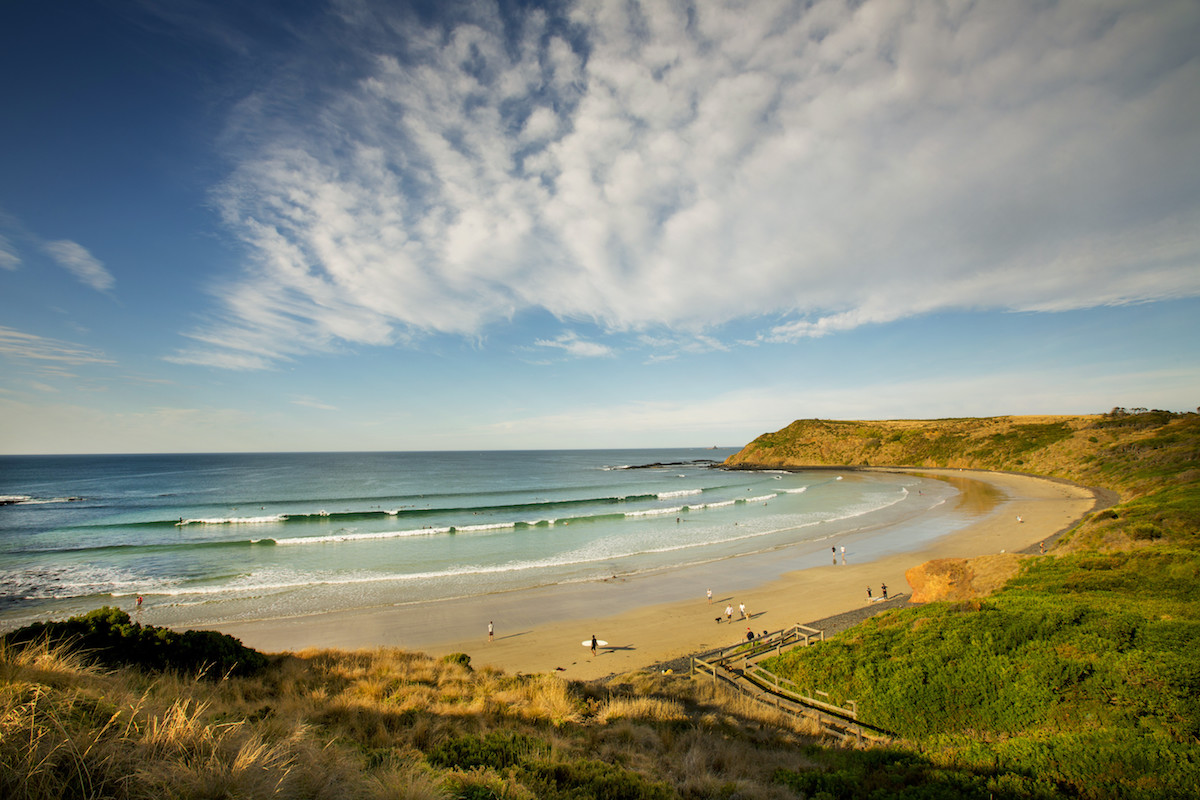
1081	678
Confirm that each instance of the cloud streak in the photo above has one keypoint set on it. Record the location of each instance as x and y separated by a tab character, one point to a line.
668	168
570	343
75	258
10	259
16	344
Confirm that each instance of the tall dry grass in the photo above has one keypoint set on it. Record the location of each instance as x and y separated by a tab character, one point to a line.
331	724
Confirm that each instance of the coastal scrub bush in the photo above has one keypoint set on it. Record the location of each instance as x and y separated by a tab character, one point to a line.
462	659
108	637
891	773
478	762
1084	670
498	750
587	778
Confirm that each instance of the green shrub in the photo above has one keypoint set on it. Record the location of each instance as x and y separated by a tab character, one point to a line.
526	759
1145	531
585	778
462	659
108	637
497	751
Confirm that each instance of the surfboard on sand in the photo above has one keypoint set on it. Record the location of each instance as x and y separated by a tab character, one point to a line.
599	643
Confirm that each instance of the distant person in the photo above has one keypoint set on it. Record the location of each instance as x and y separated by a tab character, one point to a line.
729	613
742	608
491	631
594	644
139	601
709	596
869	593
749	635
883	588
1042	545
843	554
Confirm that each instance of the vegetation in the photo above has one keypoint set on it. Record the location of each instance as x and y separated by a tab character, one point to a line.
107	637
378	724
1085	670
1080	679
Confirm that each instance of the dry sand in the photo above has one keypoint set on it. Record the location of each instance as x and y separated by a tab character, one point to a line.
542	630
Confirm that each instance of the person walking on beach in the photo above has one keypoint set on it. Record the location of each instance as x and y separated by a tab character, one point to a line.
710	597
869	594
729	613
883	588
491	631
594	644
742	608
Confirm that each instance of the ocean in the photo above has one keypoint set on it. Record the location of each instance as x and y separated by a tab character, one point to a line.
211	537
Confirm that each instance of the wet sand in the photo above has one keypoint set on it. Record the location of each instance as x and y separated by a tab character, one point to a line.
542	630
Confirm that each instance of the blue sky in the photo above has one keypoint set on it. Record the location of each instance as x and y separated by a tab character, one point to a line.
357	224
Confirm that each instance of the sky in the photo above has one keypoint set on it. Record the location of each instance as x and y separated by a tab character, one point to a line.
366	225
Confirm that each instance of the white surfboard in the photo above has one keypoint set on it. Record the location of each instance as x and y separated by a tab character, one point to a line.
599	643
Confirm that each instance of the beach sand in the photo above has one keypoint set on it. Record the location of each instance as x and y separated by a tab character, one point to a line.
542	630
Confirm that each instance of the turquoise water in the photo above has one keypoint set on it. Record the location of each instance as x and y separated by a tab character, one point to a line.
285	534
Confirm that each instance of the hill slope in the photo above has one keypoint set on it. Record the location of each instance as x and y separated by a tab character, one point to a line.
1151	459
1081	675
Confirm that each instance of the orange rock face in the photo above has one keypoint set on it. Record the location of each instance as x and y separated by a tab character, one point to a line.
961	578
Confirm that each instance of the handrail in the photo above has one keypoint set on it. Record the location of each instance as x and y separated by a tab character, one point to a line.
765	686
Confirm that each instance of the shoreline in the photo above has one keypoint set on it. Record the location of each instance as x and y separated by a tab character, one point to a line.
541	630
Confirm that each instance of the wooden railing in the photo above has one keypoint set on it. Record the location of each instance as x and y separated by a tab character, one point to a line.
737	665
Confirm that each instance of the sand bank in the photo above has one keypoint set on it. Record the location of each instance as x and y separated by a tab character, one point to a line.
642	620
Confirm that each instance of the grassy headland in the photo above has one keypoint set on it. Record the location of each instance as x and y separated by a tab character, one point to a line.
1081	677
1151	459
1078	679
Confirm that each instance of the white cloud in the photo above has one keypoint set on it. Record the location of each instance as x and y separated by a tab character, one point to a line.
16	344
672	168
79	262
9	257
221	359
574	346
309	402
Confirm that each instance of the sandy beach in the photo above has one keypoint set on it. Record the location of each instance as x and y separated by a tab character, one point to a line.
543	630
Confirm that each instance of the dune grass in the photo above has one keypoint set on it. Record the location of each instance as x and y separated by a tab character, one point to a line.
375	724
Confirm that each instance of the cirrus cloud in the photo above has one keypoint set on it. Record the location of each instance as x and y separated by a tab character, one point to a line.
672	167
75	258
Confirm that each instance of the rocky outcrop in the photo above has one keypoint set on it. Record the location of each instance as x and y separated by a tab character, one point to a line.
961	578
